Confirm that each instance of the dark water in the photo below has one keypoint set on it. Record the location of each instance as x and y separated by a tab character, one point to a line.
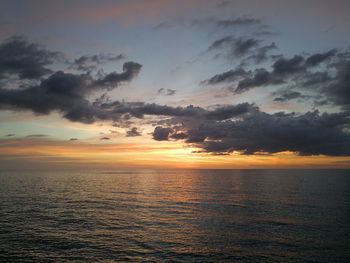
176	216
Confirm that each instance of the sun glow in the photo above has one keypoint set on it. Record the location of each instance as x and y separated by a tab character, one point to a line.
152	154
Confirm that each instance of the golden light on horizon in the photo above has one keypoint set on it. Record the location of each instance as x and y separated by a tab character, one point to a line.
169	154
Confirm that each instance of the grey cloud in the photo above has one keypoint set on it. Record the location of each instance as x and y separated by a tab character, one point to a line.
167	92
220	130
338	90
66	93
238	22
228	76
234	47
161	134
260	77
27	60
311	133
250	49
130	71
318	58
229	23
283	70
286	96
230	111
90	62
261	53
133	132
284	66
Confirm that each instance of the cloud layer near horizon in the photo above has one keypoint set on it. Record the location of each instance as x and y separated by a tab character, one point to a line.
30	81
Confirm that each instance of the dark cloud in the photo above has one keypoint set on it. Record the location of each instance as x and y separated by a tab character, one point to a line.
130	70
238	22
229	111
318	58
261	53
338	90
161	134
133	132
261	77
243	46
311	133
313	79
249	79
220	43
331	86
286	70
234	47
105	138
24	59
286	96
229	23
284	66
228	76
139	109
248	49
66	93
89	63
167	92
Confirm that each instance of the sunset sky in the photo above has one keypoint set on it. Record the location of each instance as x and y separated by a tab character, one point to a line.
175	84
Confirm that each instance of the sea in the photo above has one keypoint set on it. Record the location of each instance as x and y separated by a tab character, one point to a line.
175	216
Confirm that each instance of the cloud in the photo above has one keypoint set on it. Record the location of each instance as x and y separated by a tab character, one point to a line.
228	76
66	93
24	59
285	70
338	90
286	96
261	53
284	66
221	129
130	71
248	49
311	133
238	22
318	58
133	132
229	23
161	134
36	136
90	62
234	47
260	77
167	92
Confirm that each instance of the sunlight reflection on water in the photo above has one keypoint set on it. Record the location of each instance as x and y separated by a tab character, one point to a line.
198	215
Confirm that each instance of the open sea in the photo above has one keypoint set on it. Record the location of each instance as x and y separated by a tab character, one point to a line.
175	216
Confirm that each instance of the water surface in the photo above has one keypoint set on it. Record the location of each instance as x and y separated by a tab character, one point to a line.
176	216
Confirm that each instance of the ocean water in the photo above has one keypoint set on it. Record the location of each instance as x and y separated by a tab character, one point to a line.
175	216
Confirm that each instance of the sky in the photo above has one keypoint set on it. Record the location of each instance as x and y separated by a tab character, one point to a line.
174	84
